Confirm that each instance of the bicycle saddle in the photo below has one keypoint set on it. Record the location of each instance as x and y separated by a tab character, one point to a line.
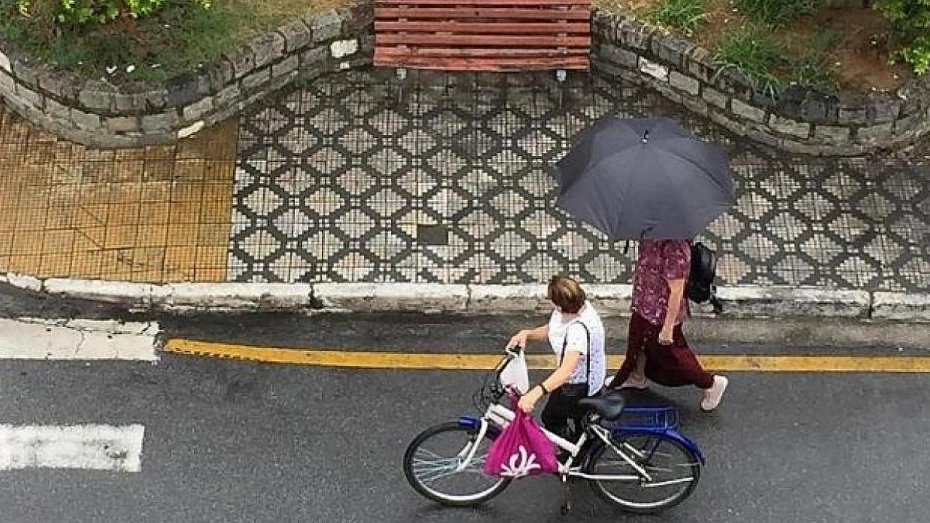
609	407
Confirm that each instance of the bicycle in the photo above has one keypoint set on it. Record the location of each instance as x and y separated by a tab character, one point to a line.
645	455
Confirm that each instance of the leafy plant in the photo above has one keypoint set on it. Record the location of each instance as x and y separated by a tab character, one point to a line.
686	15
776	13
177	37
753	53
911	22
812	70
81	12
917	54
86	11
814	74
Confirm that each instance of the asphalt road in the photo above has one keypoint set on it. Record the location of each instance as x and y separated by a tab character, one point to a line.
231	441
237	441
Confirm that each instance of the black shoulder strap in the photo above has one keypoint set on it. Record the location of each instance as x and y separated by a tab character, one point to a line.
587	355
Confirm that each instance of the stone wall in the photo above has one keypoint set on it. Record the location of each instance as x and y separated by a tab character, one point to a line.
95	112
796	120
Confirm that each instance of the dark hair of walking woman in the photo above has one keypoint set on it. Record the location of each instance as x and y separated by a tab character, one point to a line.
566	294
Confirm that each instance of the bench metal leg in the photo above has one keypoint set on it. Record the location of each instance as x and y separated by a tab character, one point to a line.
401	75
561	76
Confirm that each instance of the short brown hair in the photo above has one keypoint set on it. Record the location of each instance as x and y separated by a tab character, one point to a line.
566	294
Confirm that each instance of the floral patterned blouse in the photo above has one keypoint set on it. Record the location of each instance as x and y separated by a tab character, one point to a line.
659	261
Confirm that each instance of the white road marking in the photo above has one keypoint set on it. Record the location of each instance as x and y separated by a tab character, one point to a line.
95	447
41	339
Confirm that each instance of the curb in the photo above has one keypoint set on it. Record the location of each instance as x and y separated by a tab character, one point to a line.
611	300
901	307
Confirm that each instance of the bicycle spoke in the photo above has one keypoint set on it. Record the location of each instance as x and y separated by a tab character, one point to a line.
431	453
671	468
642	453
448	464
438	474
437	467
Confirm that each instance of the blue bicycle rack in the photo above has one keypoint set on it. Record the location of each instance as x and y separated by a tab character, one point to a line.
651	420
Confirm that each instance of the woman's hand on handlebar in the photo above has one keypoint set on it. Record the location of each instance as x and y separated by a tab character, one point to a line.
518	340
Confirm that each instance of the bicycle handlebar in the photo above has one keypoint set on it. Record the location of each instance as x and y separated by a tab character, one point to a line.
509	355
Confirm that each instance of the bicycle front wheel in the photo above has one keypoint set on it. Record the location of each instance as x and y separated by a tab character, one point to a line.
673	469
432	461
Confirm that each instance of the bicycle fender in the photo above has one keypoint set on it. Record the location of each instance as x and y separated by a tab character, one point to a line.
472	422
672	433
469	421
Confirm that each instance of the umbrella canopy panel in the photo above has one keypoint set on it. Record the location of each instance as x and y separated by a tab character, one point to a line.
635	179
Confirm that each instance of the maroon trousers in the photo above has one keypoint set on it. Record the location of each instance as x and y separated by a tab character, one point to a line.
672	365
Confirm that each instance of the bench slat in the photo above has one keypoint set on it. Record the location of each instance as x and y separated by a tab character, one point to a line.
485	40
469	13
483	35
485	3
485	28
425	52
486	64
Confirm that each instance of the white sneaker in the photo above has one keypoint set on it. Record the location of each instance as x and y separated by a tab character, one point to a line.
714	394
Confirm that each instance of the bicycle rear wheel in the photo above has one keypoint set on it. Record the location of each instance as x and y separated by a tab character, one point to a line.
673	468
432	458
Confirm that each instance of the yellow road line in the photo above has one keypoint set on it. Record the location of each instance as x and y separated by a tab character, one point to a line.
398	360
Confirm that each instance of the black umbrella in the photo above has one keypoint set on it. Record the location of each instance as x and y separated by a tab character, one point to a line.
646	178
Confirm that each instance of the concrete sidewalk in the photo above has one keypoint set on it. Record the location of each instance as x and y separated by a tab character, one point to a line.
354	194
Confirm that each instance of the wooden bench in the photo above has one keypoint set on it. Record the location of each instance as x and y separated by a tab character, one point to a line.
483	35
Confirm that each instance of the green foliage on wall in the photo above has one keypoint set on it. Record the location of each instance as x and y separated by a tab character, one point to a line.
911	21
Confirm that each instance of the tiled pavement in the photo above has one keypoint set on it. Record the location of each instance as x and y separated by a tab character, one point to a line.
152	214
448	180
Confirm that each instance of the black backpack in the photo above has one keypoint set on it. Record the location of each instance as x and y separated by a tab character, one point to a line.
701	286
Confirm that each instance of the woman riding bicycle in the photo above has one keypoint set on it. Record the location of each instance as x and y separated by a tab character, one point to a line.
576	335
642	467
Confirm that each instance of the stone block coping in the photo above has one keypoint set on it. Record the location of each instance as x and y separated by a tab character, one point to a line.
98	113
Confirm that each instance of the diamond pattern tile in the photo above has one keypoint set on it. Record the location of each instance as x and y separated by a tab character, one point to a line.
338	180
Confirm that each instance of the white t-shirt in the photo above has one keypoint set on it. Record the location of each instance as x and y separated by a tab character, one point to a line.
578	342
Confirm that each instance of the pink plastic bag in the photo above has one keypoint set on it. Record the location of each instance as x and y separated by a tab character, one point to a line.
522	449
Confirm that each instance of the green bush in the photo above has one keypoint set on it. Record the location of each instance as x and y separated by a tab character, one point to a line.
80	12
911	22
776	13
752	52
157	40
686	15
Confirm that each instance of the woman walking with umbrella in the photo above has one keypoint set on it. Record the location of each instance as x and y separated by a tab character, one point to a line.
651	180
656	345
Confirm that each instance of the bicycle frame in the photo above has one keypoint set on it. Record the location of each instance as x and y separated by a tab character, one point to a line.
497	417
626	454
